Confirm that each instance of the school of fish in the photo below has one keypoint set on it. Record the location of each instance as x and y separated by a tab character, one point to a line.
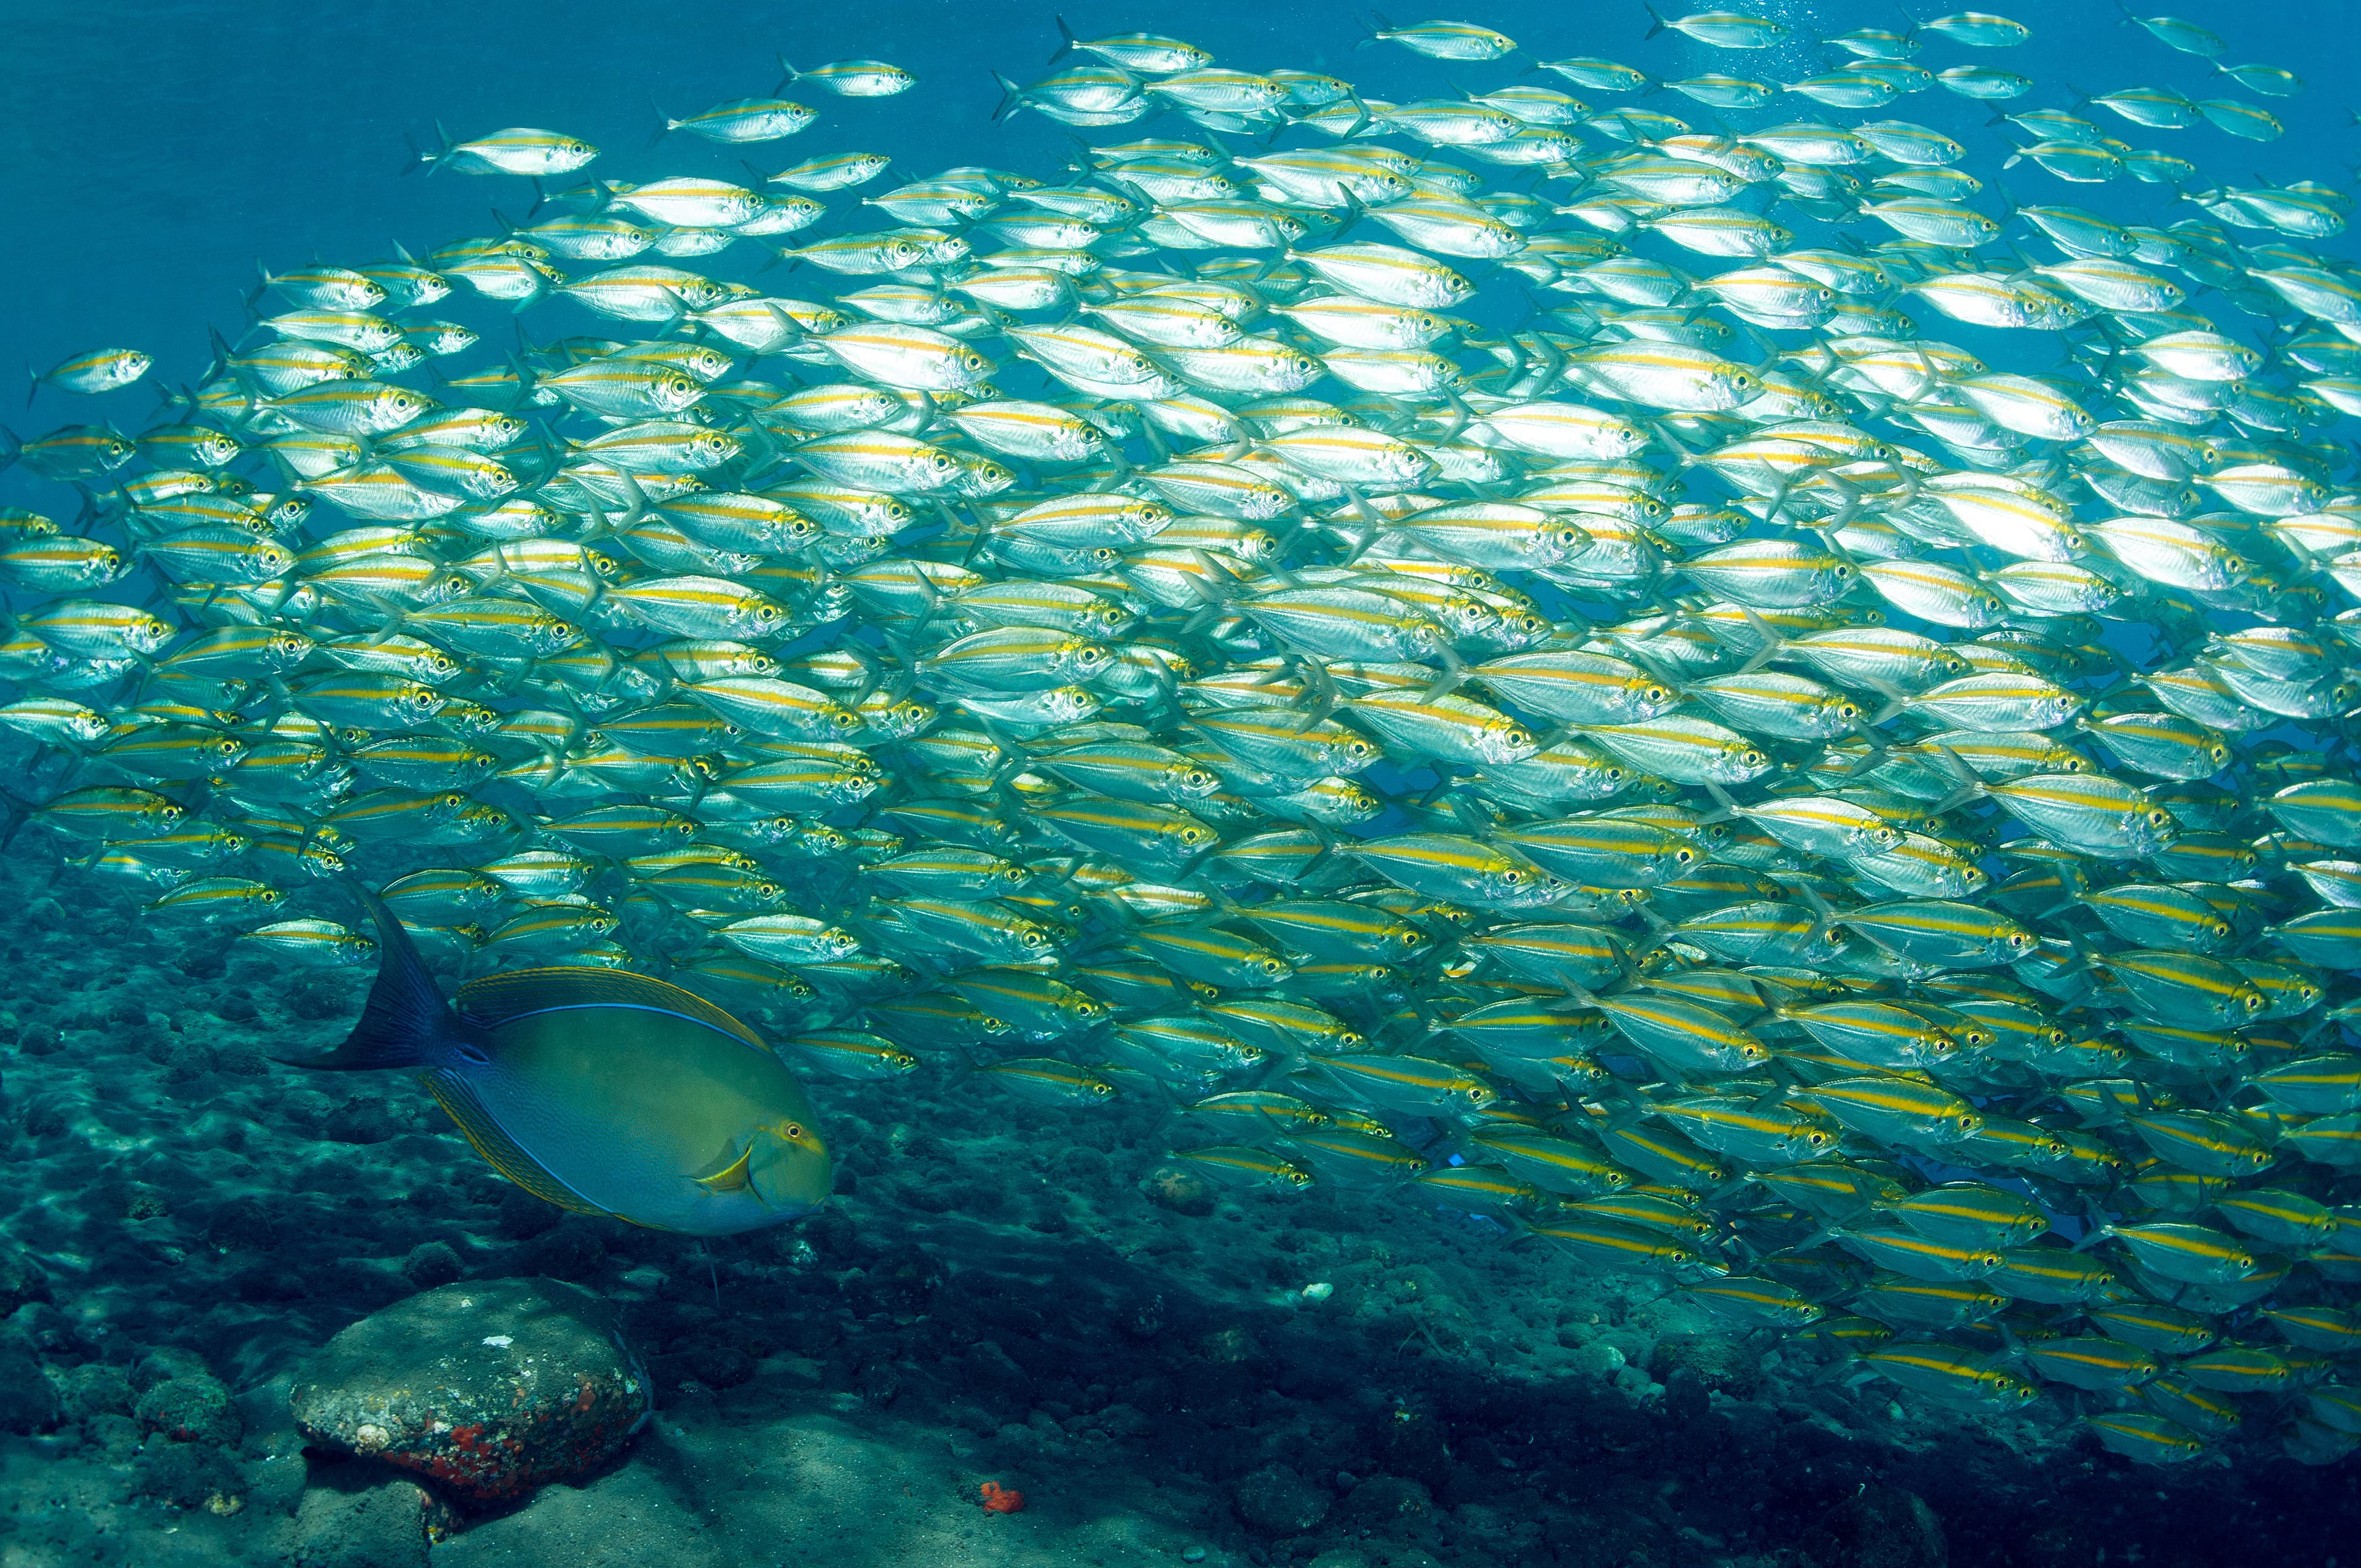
1488	649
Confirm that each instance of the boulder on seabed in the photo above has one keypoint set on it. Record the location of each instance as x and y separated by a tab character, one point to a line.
489	1388
1885	1527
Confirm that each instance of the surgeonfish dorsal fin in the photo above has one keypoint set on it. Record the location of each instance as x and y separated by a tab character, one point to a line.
490	1001
405	1015
735	1176
502	1152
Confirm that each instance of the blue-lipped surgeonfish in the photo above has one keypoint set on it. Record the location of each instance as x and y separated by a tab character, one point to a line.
602	1091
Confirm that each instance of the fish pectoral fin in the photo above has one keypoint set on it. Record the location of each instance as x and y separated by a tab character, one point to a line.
731	1177
502	1152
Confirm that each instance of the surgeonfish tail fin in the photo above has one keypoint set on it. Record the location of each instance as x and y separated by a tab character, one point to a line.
406	1015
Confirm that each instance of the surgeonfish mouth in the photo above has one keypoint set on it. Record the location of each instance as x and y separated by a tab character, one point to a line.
1766	701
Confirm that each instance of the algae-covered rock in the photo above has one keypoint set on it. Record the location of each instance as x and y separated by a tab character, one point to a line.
1885	1527
431	1264
1389	1501
1182	1191
21	1280
96	1390
28	1400
188	1476
1717	1363
388	1525
490	1387
193	1407
1275	1500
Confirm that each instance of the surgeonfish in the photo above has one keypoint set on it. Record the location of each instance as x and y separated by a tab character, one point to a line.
602	1091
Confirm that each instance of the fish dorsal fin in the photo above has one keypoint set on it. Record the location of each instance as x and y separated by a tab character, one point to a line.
502	1152
732	1177
492	1000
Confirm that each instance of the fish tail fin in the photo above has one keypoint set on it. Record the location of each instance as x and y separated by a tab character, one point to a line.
1012	99
2101	1227
1898	703
638	497
430	161
34	391
1376	34
1773	644
1656	24
1972	784
1067	42
12	446
664	122
1354	211
1880	748
406	1015
678	315
787	73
